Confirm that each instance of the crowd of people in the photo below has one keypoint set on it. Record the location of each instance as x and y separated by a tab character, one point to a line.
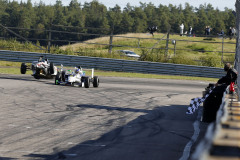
190	32
231	32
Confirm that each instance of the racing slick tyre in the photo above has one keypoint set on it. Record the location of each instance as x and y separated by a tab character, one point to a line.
23	68
95	81
57	79
32	67
86	82
51	68
63	76
36	76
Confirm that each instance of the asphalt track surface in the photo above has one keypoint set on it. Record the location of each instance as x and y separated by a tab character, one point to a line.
123	119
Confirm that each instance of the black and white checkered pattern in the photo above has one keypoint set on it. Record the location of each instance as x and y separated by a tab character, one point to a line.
196	102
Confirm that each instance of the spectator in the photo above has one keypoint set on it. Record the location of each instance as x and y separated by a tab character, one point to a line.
181	29
230	33
221	33
231	75
233	32
190	31
152	29
207	30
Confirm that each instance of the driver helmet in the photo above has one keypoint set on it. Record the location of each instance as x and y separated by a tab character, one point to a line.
40	59
227	66
77	70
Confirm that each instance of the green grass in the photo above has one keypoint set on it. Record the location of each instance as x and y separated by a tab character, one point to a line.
11	71
14	68
187	50
190	49
153	76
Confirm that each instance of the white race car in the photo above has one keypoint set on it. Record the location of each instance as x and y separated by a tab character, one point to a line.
41	68
76	77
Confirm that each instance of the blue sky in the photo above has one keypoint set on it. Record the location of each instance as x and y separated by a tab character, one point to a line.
220	4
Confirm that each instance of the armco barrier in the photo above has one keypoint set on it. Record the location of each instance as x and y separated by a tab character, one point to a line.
108	64
221	141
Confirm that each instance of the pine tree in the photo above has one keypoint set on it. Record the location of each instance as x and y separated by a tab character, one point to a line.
140	20
115	18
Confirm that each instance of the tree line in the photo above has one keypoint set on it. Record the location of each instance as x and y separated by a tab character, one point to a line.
32	20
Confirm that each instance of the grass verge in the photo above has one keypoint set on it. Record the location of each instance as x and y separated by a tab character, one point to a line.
14	68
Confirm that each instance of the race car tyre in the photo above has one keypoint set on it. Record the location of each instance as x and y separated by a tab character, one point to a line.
23	68
63	76
57	79
32	67
36	76
51	68
38	71
86	82
80	85
95	81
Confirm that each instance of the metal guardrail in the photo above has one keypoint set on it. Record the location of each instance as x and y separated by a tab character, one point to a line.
222	138
203	149
108	64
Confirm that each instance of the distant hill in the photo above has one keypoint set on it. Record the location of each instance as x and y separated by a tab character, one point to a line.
105	40
206	51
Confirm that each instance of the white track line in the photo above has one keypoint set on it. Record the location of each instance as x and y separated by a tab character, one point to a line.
188	147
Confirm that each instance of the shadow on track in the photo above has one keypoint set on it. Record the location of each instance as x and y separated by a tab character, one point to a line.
6	158
26	78
113	108
161	133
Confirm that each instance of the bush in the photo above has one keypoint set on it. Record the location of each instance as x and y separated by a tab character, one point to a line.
230	59
183	59
200	48
210	61
153	56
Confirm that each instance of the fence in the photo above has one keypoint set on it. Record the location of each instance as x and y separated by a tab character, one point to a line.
175	48
107	64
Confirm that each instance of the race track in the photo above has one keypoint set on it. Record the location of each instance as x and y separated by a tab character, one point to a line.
125	118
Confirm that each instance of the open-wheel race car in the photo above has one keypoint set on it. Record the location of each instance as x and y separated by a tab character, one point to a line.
76	77
41	68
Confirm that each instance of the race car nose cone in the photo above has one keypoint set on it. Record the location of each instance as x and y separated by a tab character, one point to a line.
71	79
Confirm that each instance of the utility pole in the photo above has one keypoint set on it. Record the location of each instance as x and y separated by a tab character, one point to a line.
222	48
166	51
111	40
237	61
167	41
49	37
